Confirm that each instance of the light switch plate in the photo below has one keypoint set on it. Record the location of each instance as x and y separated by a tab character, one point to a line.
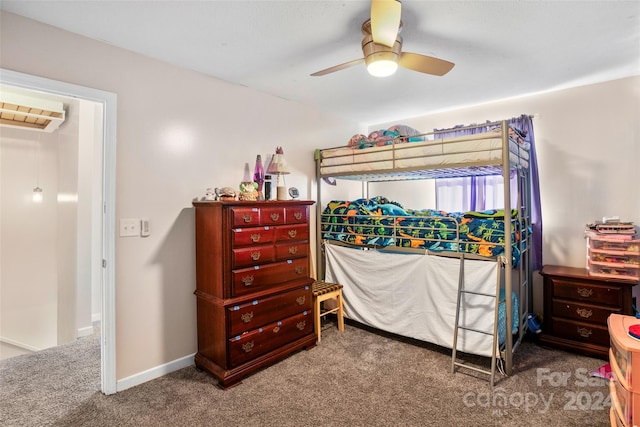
145	230
129	227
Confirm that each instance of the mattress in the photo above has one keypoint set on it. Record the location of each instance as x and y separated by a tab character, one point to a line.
483	148
414	295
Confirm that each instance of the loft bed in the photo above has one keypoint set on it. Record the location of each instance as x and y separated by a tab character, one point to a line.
402	268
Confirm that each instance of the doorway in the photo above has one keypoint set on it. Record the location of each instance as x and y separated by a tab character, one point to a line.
106	233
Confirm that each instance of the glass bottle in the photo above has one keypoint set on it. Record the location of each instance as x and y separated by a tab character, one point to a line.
258	176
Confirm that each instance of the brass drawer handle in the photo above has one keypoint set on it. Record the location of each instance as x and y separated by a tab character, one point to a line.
246	317
248	346
300	300
583	312
276	329
584	332
275	216
301	325
247	217
297	215
255	256
292	233
299	270
247	280
585	292
293	250
255	238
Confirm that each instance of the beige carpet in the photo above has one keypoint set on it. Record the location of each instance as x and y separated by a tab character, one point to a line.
358	378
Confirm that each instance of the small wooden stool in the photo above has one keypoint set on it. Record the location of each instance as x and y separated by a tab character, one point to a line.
323	291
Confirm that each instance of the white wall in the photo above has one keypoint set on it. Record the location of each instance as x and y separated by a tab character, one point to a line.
588	153
46	287
67	232
89	218
29	265
178	132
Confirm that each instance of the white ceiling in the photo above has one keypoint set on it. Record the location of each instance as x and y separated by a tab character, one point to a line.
501	48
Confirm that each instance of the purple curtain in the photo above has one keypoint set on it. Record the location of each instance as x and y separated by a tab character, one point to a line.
525	124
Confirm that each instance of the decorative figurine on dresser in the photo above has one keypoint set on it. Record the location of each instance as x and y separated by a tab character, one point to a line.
253	290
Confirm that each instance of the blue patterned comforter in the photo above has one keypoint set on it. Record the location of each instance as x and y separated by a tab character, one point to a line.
380	222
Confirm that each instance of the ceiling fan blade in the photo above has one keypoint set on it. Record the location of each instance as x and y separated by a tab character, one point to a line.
385	21
425	64
338	67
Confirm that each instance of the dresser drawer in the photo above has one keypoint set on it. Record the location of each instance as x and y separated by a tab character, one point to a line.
245	217
251	236
260	312
581	331
292	250
272	216
297	215
292	232
259	341
596	294
253	255
583	312
249	280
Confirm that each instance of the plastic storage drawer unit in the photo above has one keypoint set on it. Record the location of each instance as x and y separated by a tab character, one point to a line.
613	256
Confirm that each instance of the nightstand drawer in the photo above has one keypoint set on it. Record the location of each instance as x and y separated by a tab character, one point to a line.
580	331
259	312
259	341
588	292
583	312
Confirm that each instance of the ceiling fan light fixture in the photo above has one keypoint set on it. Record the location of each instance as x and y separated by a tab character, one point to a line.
382	64
382	68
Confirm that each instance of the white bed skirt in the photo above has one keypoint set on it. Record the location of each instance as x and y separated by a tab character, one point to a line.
414	295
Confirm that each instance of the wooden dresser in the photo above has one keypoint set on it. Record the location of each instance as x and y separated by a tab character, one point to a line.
576	308
253	285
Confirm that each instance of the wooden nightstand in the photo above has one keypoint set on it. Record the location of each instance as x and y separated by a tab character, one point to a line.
576	308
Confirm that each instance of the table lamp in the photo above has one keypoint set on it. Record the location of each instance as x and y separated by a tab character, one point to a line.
279	167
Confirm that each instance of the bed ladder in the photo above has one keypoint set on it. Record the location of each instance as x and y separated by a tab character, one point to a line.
462	291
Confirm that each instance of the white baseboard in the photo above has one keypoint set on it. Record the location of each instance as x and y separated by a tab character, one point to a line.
85	332
154	373
19	344
96	317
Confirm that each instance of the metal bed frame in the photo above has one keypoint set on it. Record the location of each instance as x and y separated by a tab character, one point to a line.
502	166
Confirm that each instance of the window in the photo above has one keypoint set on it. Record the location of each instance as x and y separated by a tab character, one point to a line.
473	193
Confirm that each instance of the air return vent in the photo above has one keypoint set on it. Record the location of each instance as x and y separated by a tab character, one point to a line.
29	112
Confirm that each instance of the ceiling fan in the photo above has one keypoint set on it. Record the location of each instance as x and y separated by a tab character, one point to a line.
382	46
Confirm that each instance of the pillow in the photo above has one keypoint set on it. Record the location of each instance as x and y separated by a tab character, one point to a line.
407	132
356	140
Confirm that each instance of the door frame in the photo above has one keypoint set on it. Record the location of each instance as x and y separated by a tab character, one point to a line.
108	148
